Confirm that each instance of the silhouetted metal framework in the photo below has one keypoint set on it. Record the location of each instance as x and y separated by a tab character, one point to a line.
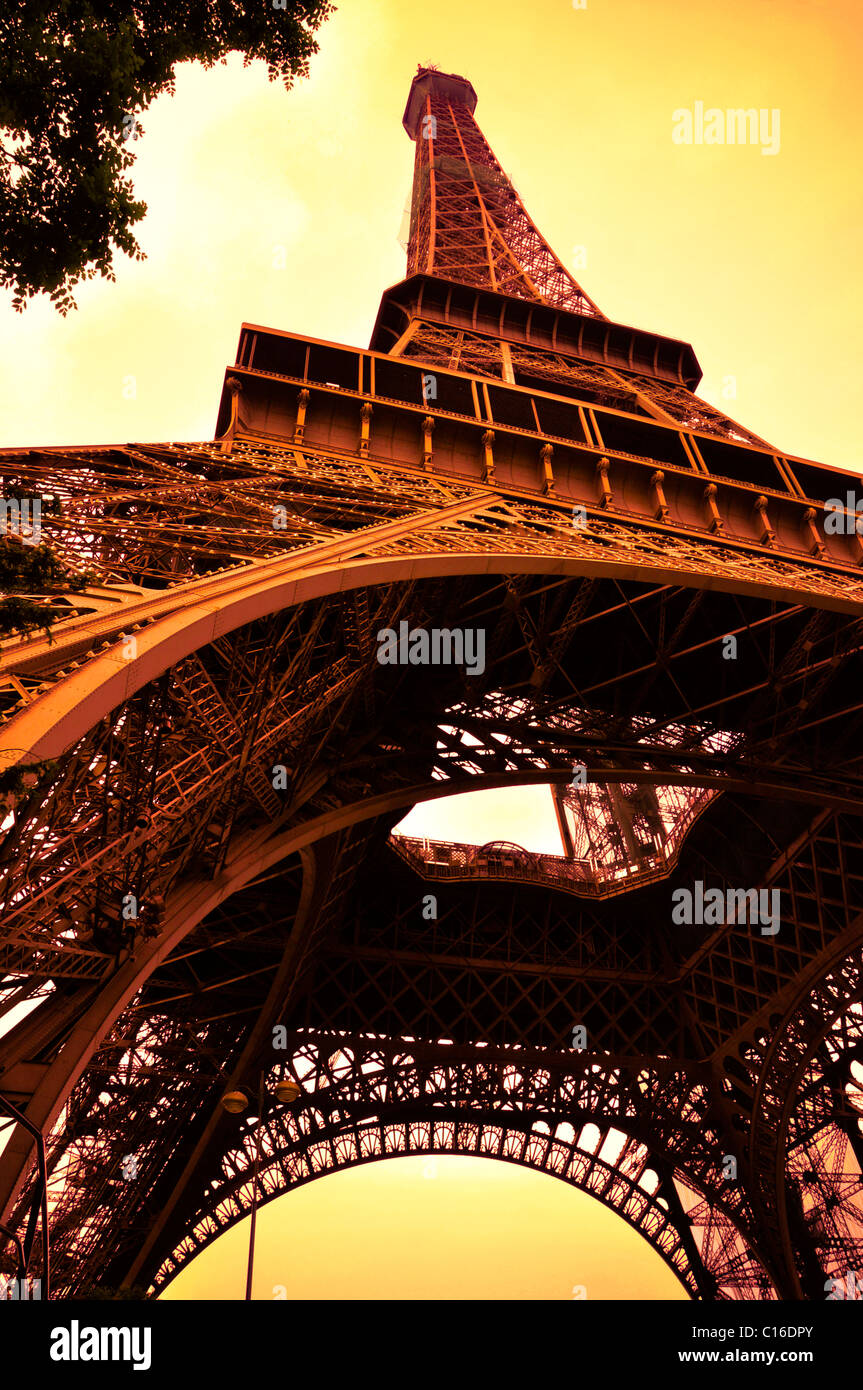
199	851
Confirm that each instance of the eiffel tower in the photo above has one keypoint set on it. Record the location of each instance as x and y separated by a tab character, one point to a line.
205	756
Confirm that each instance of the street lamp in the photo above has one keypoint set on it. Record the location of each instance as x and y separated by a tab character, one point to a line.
235	1102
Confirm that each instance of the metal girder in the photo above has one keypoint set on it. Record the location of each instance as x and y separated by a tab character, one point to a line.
210	736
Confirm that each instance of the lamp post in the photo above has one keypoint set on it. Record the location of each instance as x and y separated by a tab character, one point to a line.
235	1102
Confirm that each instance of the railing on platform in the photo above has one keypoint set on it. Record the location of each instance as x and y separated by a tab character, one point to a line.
443	859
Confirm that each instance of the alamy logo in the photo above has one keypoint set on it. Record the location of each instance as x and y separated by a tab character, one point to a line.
76	1343
843	518
694	907
438	646
737	126
19	1290
839	1290
21	517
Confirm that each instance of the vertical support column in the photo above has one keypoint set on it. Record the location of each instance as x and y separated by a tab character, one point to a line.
807	1279
365	423
428	428
506	363
703	1277
300	427
226	443
546	454
562	822
811	538
766	536
488	457
605	496
660	505
714	520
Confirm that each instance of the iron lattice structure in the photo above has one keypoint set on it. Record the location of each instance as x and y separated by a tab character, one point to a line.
467	221
210	736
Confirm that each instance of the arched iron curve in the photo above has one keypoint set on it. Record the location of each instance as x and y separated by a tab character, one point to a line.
612	1165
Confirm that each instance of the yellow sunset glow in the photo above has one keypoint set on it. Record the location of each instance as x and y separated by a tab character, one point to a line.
285	209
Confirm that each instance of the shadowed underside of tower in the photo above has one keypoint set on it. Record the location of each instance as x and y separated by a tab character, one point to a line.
204	766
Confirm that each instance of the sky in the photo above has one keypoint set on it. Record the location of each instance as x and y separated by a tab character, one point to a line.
285	209
432	1228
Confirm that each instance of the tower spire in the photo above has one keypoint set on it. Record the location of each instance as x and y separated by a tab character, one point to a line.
467	222
485	292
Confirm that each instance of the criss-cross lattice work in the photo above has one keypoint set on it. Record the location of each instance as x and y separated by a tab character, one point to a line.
620	388
467	221
204	765
175	786
369	1099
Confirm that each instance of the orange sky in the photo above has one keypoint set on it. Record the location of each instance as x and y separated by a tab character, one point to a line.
752	259
285	209
426	1227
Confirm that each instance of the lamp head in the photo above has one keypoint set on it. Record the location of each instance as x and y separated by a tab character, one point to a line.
234	1102
286	1091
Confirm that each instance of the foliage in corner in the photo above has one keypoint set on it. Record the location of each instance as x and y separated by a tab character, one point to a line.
26	569
73	79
